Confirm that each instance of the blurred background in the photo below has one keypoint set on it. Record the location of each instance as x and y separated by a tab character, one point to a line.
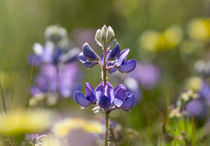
166	37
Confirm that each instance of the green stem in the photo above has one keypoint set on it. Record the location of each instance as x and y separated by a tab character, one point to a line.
107	129
30	83
106	140
3	98
104	66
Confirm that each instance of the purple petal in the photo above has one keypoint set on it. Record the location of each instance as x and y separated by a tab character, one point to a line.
115	51
68	75
120	94
128	66
122	57
85	62
195	108
129	102
105	90
90	92
81	99
88	52
104	102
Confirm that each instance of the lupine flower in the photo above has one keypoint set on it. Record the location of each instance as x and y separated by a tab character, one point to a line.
58	73
147	74
115	59
195	108
107	97
63	79
52	54
58	48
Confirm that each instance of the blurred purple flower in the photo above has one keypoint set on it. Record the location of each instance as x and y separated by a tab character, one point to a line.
63	79
195	108
51	54
147	74
132	86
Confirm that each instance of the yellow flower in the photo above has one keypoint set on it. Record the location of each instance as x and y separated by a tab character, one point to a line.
155	41
194	83
19	121
66	126
199	29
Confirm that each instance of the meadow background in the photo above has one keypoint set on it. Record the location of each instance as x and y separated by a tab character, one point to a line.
23	22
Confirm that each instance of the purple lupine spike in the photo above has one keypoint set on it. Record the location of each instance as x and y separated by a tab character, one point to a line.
115	51
88	52
120	93
81	99
130	102
128	66
90	92
85	62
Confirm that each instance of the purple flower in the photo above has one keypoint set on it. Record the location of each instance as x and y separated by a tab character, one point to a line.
115	59
50	53
52	79
147	74
195	108
85	100
107	97
68	79
133	87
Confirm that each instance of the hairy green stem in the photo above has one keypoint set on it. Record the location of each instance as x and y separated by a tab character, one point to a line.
106	141
104	66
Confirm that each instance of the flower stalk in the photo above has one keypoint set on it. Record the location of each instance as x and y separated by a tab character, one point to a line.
104	96
106	140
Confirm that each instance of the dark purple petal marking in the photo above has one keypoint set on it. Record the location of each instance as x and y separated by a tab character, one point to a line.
88	52
115	51
128	66
104	102
81	99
